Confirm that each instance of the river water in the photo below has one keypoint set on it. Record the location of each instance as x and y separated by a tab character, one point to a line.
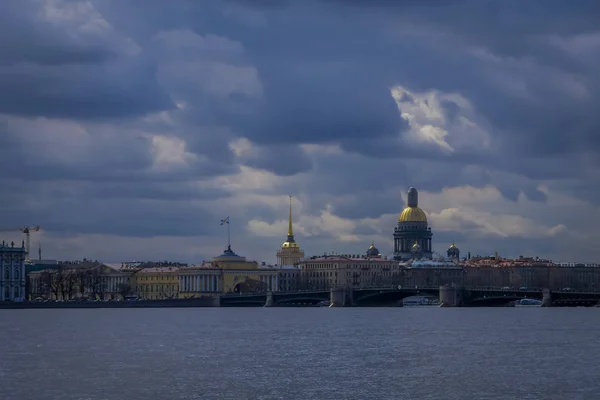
300	353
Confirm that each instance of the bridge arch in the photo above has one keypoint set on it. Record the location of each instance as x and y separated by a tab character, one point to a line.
384	297
498	300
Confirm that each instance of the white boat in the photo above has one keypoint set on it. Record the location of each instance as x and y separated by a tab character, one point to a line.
528	303
419	302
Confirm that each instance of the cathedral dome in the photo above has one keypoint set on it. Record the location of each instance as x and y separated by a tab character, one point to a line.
412	214
372	251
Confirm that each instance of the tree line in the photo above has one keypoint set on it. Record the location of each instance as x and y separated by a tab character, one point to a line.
68	283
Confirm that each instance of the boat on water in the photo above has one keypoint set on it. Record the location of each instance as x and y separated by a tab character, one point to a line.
419	302
528	303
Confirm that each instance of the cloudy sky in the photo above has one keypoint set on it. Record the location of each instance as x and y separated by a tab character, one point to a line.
129	128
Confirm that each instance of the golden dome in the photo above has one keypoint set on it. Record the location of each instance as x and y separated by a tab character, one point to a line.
452	246
416	245
412	214
372	246
287	245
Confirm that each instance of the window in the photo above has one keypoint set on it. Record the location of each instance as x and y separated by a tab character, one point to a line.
6	293
16	274
6	274
16	291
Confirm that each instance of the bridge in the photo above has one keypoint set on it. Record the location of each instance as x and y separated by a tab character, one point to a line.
384	296
391	296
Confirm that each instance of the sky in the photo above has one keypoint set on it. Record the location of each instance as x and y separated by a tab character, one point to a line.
130	128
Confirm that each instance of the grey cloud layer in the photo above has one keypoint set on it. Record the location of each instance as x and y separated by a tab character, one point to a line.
106	76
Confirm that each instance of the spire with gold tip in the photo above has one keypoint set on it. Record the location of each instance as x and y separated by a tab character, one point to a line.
290	242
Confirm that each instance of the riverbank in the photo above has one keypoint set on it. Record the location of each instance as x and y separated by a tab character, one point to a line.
172	303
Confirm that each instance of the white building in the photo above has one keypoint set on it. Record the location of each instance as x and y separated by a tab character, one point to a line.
12	272
289	278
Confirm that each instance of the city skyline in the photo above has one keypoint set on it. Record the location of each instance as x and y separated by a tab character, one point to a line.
130	132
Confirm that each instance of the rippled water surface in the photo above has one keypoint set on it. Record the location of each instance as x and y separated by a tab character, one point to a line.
296	353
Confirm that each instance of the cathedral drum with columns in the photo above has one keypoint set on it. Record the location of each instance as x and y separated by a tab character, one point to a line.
412	236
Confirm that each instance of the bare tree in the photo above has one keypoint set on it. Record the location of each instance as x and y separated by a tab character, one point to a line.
124	290
52	280
97	283
82	277
67	286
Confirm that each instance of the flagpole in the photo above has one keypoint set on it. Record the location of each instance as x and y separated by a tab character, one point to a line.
228	233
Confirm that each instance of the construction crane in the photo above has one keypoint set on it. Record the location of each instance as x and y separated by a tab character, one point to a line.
26	230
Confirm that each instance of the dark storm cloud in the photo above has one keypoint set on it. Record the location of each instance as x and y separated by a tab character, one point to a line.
52	66
75	91
283	160
136	218
370	205
25	37
343	106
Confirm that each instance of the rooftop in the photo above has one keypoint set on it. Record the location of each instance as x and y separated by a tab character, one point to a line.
431	264
345	258
159	270
12	247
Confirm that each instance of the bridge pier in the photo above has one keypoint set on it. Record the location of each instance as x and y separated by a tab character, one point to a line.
546	298
337	297
450	296
270	302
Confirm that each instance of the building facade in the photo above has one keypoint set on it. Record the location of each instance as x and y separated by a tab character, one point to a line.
200	281
12	272
242	276
289	278
431	273
412	235
350	271
290	252
227	273
156	283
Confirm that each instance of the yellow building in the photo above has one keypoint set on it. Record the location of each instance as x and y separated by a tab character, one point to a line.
290	252
227	273
156	283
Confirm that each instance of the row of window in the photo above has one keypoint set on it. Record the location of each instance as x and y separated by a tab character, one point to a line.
16	273
158	288
16	291
158	278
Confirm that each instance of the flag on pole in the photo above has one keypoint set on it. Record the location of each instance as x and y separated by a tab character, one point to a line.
225	221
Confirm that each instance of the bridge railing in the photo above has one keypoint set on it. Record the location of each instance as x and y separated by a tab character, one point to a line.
401	287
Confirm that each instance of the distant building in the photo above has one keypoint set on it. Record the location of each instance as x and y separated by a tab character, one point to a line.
227	273
412	235
352	271
289	278
453	253
156	283
38	265
12	272
290	252
373	252
431	273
